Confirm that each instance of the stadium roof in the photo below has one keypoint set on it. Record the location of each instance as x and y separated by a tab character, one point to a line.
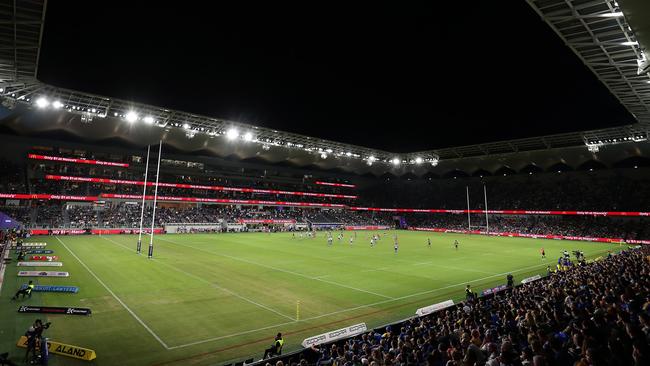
597	31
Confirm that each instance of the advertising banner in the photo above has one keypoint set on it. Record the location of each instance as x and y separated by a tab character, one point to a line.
361	227
531	279
195	186
335	335
42	274
31	245
266	221
494	290
335	184
75	160
64	349
48	258
433	308
54	310
48	288
40	251
39	264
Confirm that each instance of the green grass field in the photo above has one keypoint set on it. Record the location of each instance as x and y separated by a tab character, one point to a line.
214	298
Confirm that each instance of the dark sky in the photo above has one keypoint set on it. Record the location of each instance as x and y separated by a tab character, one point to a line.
397	78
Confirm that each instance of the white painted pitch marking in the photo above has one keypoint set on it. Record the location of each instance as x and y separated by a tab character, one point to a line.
210	283
360	307
355	308
115	296
280	270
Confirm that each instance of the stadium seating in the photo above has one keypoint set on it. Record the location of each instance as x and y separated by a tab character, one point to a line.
596	314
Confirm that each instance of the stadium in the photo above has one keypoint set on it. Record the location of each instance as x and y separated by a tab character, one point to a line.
136	233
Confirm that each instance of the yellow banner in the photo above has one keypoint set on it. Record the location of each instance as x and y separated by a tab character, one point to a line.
64	349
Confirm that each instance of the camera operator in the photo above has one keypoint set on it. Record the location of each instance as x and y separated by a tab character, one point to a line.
34	335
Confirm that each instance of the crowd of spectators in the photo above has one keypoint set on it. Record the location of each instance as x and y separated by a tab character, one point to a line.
590	315
127	215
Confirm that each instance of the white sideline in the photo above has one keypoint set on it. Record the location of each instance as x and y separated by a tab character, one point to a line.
209	283
388	300
355	308
280	269
115	296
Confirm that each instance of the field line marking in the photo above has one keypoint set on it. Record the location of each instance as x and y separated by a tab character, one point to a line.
114	296
280	269
354	308
210	283
230	335
362	306
433	264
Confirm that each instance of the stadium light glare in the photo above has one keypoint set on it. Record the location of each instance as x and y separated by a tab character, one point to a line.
611	15
348	154
395	161
131	117
232	134
186	126
434	162
148	119
57	104
248	136
418	160
323	156
630	43
2	90
42	102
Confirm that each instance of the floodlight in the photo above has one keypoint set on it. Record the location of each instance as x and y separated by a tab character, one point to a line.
232	134
248	136
418	160
42	102
57	104
186	126
131	117
395	161
148	119
348	153
323	156
434	162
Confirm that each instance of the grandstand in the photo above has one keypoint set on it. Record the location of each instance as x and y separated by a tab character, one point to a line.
236	219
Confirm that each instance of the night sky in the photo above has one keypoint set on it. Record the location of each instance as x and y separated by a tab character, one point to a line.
402	78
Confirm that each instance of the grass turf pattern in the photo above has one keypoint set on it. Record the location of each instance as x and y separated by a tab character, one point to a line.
208	299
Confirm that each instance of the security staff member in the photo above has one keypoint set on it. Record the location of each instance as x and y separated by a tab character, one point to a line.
469	294
510	280
276	347
27	291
